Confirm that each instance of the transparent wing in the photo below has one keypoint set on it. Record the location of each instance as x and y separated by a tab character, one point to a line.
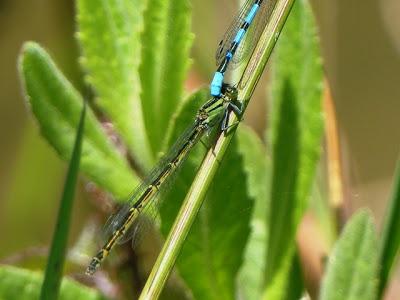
229	35
145	222
251	37
116	220
150	206
150	213
263	23
254	32
140	225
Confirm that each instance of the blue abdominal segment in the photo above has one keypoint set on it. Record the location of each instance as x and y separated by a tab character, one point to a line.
241	30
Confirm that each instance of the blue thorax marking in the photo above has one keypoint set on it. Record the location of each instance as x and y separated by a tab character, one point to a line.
216	84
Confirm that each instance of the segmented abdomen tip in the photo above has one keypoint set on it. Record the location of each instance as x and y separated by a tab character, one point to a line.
91	269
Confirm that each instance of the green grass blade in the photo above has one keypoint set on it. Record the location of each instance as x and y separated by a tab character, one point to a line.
353	264
55	264
222	226
390	243
166	42
295	137
22	284
110	35
216	232
56	106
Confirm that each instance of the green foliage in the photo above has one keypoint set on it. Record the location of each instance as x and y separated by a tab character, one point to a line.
257	167
166	42
223	223
109	33
21	284
136	55
56	106
58	250
353	265
390	243
295	137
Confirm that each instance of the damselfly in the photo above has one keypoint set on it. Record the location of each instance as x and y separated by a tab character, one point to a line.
208	116
240	39
234	48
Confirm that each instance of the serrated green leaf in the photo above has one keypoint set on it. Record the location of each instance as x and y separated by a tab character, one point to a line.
22	284
390	243
353	265
257	166
165	60
283	198
213	252
296	133
109	32
56	106
55	265
251	273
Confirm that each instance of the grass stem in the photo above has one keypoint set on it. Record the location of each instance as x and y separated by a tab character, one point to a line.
210	164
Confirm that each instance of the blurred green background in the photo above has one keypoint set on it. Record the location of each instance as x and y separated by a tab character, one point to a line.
361	51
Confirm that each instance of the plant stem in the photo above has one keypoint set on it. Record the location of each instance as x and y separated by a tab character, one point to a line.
208	169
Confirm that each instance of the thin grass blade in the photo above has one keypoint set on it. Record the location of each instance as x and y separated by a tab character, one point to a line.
390	242
54	270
